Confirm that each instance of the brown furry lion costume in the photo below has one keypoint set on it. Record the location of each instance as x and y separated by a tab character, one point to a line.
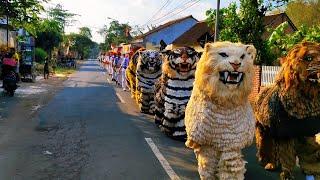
288	114
219	119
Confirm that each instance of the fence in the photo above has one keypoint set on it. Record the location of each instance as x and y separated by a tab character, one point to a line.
268	74
263	76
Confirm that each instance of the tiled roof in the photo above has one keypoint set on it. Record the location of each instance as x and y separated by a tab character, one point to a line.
164	26
194	33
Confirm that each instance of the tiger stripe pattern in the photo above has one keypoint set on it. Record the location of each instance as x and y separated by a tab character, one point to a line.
147	74
174	89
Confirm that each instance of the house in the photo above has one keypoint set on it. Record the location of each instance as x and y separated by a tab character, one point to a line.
198	34
273	21
167	32
201	32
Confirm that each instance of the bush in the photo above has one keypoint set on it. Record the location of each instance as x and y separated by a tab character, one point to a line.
280	42
40	55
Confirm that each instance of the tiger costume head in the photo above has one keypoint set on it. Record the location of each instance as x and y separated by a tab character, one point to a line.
180	62
150	61
225	72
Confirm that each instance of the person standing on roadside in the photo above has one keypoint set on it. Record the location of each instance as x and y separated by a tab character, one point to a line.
46	69
124	65
114	68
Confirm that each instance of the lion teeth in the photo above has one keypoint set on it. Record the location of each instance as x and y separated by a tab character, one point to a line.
314	80
239	77
226	74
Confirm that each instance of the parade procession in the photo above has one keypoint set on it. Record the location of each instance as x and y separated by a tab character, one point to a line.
191	89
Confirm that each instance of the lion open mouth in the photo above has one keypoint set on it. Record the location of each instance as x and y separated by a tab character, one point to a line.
233	77
314	77
184	67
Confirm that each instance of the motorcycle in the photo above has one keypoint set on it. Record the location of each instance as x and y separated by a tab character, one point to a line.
10	83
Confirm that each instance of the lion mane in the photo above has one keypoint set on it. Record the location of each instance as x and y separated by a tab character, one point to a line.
288	112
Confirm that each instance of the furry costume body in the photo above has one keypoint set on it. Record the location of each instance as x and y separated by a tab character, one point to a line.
131	72
219	119
288	114
147	74
174	89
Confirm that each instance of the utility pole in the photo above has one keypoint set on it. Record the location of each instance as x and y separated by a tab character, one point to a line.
7	16
216	30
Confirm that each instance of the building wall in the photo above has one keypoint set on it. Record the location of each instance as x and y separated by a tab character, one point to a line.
256	83
3	38
169	34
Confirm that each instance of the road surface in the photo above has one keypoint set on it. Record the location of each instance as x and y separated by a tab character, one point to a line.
91	129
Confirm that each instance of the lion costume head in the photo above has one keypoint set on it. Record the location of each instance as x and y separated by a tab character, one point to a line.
225	72
299	80
180	62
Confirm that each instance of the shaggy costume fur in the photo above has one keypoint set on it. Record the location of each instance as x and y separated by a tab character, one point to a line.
147	74
219	119
174	89
288	114
131	72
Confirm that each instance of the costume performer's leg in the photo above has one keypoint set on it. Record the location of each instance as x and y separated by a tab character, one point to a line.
207	162
231	166
266	149
308	152
287	157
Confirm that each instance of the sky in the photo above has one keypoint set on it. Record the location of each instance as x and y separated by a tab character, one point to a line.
96	13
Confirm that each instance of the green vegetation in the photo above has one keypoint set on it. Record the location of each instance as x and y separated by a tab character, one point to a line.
280	42
115	33
245	26
64	71
304	12
40	55
22	13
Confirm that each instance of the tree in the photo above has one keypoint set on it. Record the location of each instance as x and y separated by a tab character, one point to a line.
252	28
49	35
82	44
304	12
62	16
229	22
137	30
246	26
22	13
85	31
116	33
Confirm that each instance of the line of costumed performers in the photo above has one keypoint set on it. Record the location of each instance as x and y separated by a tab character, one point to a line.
202	99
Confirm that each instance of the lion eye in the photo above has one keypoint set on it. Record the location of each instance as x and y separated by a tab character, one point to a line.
307	58
242	56
223	54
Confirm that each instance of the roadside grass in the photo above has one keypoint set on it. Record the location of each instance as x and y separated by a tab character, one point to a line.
64	71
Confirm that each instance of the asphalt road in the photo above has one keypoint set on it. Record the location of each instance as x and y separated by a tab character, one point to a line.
94	131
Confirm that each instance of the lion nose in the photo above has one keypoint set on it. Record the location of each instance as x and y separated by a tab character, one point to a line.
235	65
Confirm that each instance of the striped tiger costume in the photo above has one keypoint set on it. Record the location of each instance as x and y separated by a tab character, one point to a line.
174	90
131	72
147	74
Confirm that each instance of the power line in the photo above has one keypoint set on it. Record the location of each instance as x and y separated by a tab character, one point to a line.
155	14
197	1
174	10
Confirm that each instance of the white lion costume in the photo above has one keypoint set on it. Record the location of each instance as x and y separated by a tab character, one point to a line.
219	119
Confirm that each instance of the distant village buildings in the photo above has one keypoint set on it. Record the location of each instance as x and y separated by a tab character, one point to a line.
188	31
